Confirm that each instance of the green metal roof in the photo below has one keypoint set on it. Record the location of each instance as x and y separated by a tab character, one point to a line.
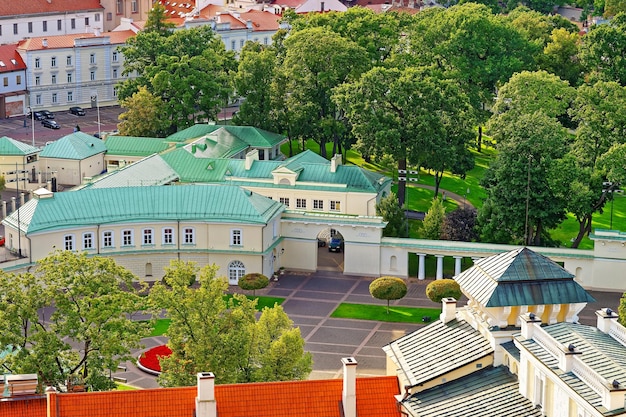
10	146
219	144
192	132
135	146
520	277
203	203
487	393
76	146
252	136
191	169
457	343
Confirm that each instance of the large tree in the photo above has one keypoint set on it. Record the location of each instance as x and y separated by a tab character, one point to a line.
144	115
603	51
72	317
210	332
394	215
413	115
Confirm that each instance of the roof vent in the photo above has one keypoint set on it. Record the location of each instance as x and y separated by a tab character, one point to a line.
615	383
531	316
609	312
571	347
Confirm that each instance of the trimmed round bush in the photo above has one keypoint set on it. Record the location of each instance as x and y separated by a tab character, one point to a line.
253	281
443	288
388	288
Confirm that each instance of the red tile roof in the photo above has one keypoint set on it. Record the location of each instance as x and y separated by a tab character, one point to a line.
10	59
67	41
14	8
318	398
262	21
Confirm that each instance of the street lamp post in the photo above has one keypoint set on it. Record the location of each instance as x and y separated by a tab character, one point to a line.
32	123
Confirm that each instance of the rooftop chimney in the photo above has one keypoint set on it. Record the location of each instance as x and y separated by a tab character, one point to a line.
448	309
348	395
335	161
251	156
604	318
205	401
44	42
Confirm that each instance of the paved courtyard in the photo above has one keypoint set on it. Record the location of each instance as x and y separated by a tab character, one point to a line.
310	298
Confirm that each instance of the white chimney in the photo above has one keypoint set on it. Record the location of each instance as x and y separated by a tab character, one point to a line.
605	318
348	395
205	401
335	161
251	156
448	309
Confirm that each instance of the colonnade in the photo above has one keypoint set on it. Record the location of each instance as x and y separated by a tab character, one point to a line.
421	265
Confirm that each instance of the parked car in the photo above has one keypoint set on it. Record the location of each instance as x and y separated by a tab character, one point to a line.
47	114
335	245
37	115
78	111
50	124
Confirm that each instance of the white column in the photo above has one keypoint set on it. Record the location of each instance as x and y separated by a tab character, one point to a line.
457	265
439	266
421	266
12	204
21	199
4	209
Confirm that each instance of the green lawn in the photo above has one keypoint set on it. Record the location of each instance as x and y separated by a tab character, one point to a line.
379	313
162	325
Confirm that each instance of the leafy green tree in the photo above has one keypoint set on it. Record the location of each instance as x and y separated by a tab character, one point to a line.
560	56
433	221
253	281
460	225
211	331
394	215
603	51
614	7
525	192
90	330
443	288
158	20
316	61
180	271
144	115
537	27
388	288
410	114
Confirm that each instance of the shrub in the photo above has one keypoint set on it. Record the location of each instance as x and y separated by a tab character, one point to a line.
253	281
443	288
388	288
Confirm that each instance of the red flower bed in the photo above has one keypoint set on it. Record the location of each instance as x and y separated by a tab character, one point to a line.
150	358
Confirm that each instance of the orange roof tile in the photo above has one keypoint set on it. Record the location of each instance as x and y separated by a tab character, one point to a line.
262	21
319	398
211	10
67	41
10	59
14	8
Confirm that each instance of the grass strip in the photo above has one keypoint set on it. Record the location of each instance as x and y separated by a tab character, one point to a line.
379	313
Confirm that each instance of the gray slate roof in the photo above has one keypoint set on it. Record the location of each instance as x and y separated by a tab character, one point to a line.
201	203
492	392
520	277
437	349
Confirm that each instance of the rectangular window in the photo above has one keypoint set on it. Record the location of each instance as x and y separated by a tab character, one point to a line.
6	81
18	79
188	237
86	21
109	16
69	77
335	205
233	45
73	23
107	239
87	241
114	72
70	96
53	79
148	238
92	58
68	60
96	17
285	201
45	25
15	28
120	7
38	80
301	203
127	238
68	242
114	91
37	63
115	56
53	62
241	42
0	30
318	205
38	99
30	27
92	75
59	25
168	236
133	6
235	237
54	98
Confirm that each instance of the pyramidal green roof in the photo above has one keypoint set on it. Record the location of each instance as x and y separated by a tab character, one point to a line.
205	203
520	277
192	132
134	146
10	146
77	145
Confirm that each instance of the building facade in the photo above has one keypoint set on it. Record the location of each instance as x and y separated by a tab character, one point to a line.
13	94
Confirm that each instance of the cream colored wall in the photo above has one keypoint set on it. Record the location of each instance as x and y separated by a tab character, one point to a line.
67	170
8	163
401	268
361	259
299	254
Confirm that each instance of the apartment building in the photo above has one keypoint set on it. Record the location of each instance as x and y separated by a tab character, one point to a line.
12	82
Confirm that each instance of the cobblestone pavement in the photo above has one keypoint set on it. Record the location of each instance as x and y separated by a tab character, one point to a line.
310	298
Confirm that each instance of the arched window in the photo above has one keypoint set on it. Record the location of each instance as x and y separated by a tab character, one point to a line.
236	270
148	269
393	263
